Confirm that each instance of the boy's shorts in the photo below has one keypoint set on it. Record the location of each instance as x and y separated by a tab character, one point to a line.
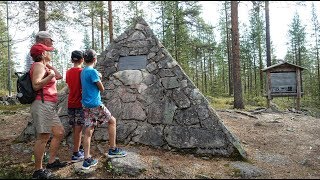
76	116
98	115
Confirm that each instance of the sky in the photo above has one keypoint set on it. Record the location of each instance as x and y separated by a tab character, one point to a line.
281	15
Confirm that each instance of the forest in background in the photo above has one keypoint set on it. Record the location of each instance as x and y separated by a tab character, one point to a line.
206	58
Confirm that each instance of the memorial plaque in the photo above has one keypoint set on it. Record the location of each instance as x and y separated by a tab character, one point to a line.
132	62
283	82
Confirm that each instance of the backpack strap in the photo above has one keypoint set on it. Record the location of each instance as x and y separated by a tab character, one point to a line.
42	95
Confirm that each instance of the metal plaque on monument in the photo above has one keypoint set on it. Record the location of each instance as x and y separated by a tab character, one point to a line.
132	62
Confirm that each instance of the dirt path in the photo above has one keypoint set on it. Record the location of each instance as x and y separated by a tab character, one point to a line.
286	145
280	145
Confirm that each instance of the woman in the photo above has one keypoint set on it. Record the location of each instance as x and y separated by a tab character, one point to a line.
45	117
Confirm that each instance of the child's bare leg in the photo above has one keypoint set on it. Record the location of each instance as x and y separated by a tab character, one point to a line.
87	141
77	132
112	132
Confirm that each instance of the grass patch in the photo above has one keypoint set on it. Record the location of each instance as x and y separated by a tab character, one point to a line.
221	102
308	104
12	109
4	92
236	173
227	103
12	171
114	171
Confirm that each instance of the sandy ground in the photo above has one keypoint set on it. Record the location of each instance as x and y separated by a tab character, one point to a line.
281	145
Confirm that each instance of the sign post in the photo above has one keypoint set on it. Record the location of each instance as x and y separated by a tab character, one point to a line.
284	79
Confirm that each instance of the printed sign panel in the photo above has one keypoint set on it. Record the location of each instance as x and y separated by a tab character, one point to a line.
284	82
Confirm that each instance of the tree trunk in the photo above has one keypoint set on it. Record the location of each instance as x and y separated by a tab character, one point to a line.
42	16
110	21
268	34
228	52
260	65
238	101
101	23
163	26
9	59
255	74
318	64
299	62
92	30
197	71
176	27
211	73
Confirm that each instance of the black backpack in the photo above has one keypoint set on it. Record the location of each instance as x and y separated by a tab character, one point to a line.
25	92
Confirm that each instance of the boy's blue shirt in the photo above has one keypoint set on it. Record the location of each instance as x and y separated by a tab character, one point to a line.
90	92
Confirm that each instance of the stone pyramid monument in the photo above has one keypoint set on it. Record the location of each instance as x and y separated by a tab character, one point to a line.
154	101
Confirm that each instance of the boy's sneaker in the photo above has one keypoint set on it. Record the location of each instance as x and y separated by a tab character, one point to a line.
56	164
89	162
81	151
42	174
115	153
78	157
